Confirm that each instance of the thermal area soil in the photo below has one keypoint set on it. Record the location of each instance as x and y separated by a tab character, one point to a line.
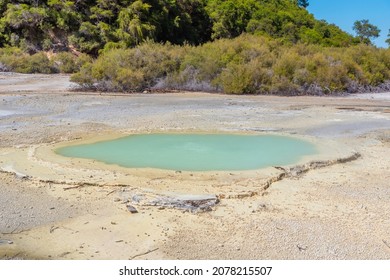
59	208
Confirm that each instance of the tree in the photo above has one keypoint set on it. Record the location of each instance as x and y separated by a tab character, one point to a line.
366	30
388	38
90	25
134	27
303	3
230	17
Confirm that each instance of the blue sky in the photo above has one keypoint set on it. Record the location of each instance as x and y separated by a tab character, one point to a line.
345	12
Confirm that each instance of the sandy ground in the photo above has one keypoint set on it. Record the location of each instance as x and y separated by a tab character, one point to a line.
58	208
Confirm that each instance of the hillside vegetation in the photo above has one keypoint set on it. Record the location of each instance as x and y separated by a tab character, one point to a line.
231	46
89	26
246	64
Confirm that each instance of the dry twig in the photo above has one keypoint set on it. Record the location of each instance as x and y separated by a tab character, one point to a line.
143	254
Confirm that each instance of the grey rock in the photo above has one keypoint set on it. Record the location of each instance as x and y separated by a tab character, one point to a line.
131	209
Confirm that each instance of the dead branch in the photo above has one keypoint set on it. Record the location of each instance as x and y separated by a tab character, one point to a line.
143	254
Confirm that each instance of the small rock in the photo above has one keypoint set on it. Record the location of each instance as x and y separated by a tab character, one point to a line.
131	209
301	248
2	241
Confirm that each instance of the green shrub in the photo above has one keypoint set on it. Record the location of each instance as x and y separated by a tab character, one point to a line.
84	77
374	63
128	79
287	65
38	63
245	65
15	60
238	79
131	69
66	62
284	86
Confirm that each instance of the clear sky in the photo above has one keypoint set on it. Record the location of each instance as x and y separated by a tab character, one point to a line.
345	12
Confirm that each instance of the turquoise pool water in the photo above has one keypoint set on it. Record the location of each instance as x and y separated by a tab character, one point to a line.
194	152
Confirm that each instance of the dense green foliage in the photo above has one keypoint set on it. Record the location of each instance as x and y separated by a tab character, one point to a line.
283	19
248	64
89	26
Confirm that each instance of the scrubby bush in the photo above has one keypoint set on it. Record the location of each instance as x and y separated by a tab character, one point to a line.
16	60
131	70
37	63
233	66
245	65
66	62
375	63
238	79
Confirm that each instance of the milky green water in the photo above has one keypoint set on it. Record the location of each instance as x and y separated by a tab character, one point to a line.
195	152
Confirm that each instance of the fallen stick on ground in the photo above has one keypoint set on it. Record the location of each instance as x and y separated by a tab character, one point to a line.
111	192
74	187
143	254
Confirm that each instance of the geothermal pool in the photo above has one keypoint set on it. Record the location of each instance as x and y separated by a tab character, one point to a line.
194	152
